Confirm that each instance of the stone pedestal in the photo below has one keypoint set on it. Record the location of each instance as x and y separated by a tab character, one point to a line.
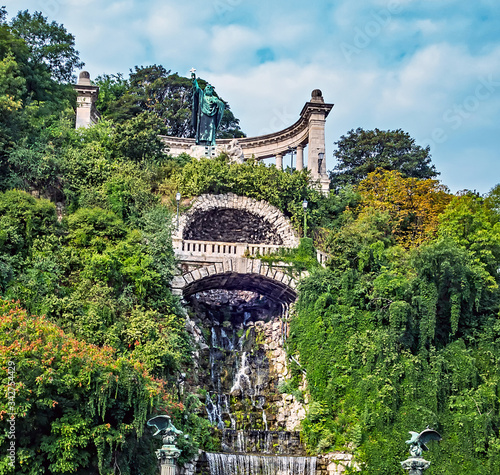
86	113
167	467
167	456
415	465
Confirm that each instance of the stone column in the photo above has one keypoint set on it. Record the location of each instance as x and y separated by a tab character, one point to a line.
86	113
300	157
279	161
167	465
318	111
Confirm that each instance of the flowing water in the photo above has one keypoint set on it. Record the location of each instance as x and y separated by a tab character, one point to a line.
236	464
242	390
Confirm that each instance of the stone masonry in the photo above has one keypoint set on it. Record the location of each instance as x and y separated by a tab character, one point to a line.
271	216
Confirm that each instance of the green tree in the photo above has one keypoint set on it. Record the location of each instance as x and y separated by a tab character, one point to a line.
79	408
361	152
22	219
49	44
137	139
111	88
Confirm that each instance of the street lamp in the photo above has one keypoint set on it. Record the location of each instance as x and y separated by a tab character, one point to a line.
178	199
304	206
321	156
291	150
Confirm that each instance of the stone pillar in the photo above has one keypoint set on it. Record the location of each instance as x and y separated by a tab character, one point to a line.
279	161
167	466
86	113
316	133
300	157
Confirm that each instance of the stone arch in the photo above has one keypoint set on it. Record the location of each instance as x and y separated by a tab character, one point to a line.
233	218
238	274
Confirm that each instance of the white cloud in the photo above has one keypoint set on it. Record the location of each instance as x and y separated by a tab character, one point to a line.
414	69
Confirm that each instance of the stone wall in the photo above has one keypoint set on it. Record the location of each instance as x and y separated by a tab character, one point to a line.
271	219
288	411
334	463
231	225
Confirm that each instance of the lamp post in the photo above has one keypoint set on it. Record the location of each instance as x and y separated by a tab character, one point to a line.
304	206
321	157
178	199
291	150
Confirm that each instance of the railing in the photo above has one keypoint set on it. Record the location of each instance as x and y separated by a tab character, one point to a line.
217	248
190	248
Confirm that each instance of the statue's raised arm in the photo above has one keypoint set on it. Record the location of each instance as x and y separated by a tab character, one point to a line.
207	113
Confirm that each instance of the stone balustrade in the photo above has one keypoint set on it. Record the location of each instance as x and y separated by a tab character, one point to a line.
185	248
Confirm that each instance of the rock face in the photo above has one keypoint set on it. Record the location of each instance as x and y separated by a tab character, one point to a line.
242	365
334	463
241	361
231	225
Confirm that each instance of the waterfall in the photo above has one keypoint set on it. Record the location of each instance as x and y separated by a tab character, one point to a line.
236	464
242	380
242	394
285	313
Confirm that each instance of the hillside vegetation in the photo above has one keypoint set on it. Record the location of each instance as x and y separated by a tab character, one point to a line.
400	330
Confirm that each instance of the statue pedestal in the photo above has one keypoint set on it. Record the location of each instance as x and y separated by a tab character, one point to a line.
232	149
415	465
167	455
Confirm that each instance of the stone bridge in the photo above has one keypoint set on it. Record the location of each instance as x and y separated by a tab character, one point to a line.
218	243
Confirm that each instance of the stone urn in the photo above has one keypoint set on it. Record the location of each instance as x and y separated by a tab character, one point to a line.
415	465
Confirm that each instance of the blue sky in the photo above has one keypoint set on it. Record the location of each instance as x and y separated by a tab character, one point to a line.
429	67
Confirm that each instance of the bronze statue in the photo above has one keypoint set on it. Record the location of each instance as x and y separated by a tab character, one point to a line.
418	441
207	113
416	464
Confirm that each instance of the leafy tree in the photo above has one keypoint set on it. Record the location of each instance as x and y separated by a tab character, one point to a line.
49	45
413	205
111	88
78	407
137	139
34	56
361	152
12	88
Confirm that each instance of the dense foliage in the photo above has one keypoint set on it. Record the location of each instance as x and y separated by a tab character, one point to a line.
394	339
78	407
361	152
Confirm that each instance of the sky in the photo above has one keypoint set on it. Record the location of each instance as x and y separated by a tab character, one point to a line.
428	67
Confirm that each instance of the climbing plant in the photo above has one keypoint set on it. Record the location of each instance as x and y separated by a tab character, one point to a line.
77	406
395	339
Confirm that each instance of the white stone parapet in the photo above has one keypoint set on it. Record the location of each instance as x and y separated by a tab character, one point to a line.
184	249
